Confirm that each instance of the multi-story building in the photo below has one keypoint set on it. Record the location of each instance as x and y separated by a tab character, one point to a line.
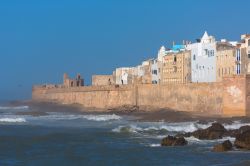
144	72
125	75
155	71
243	55
225	60
203	61
176	68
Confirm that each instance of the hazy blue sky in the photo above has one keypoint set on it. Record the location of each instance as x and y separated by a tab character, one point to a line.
40	40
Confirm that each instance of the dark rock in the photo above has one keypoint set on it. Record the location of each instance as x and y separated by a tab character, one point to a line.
223	147
173	141
125	109
234	133
216	131
242	140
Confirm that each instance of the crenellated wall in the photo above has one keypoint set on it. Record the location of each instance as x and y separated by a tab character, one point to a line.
230	97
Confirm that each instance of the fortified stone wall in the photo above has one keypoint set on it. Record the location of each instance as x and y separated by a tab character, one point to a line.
184	97
203	98
103	97
230	97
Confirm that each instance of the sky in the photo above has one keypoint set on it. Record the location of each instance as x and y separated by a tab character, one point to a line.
41	40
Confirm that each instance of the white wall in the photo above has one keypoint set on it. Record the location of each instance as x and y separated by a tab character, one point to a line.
203	67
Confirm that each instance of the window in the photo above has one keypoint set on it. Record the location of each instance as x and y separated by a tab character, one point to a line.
248	55
175	59
249	42
206	51
175	69
155	72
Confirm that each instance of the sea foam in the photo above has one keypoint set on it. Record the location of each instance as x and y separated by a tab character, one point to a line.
12	120
104	117
182	127
14	108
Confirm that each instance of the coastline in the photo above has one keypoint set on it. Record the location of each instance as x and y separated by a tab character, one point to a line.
146	115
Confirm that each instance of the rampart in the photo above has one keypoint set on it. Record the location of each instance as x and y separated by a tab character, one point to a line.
230	97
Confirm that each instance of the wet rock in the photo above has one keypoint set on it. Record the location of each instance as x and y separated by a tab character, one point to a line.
173	141
125	109
234	133
242	140
216	131
223	147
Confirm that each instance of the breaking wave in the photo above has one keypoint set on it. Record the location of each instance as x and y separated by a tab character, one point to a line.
14	108
166	128
87	117
198	141
235	125
155	145
12	120
183	127
102	117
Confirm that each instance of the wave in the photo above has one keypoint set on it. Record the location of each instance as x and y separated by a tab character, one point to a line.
14	108
235	125
12	120
102	117
127	129
182	127
105	117
155	145
196	140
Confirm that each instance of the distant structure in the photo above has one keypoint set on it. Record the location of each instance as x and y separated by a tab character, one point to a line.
203	61
155	71
176	68
225	60
77	82
243	54
99	80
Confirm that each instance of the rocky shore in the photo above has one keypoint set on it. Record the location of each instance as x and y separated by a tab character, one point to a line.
216	131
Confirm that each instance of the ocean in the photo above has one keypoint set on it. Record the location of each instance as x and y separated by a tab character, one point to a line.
71	138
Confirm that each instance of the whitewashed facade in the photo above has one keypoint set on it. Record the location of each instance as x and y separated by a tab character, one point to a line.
203	59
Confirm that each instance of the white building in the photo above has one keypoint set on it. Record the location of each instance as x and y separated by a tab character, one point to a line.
203	60
161	54
121	75
155	71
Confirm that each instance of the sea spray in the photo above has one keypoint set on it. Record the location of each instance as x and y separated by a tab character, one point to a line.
14	108
12	120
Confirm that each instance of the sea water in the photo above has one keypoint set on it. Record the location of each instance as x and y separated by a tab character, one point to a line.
66	138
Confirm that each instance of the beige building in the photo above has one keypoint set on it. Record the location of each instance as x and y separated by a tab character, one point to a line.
99	80
176	68
125	75
144	75
243	55
225	60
